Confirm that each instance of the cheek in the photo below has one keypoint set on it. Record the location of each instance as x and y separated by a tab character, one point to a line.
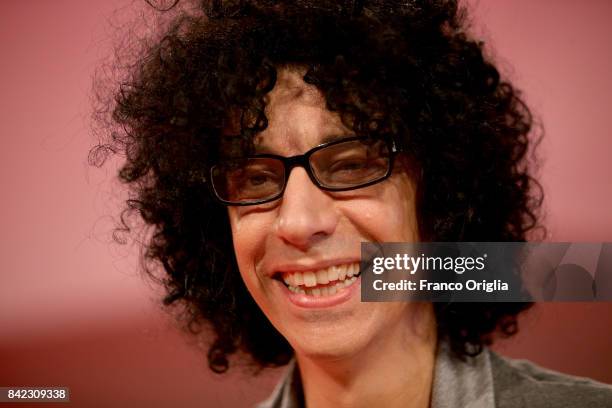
249	233
389	213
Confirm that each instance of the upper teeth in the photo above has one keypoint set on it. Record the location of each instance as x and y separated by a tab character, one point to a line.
321	276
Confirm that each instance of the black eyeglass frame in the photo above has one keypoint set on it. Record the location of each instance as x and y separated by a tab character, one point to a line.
303	160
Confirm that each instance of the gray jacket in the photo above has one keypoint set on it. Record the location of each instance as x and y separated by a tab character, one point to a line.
485	381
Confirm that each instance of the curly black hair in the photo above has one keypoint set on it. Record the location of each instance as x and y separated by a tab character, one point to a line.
408	68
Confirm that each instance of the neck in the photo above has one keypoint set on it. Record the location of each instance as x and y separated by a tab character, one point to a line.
394	370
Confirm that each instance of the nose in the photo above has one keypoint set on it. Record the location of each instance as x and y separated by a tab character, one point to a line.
306	213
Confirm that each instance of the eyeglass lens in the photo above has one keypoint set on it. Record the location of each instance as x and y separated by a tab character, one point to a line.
350	164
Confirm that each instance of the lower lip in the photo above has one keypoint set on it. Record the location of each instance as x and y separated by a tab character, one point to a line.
312	302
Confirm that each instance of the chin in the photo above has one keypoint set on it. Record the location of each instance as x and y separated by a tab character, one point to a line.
326	350
329	341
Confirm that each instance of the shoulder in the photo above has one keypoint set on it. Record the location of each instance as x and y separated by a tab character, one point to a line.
521	383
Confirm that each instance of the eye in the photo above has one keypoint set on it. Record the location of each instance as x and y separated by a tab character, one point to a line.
348	165
352	169
258	178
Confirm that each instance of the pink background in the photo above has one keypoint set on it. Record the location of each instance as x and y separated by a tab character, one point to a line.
75	312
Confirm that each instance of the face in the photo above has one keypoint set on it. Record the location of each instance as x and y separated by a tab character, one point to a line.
312	237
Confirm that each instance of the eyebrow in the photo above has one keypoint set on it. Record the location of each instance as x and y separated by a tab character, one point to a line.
333	138
264	149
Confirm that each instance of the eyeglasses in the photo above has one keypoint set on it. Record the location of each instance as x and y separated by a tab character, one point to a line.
341	165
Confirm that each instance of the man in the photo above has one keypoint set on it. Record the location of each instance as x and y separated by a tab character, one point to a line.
265	140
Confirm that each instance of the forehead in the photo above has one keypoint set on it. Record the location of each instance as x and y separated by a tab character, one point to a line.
297	116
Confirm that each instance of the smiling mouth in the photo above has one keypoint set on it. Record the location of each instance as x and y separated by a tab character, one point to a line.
322	282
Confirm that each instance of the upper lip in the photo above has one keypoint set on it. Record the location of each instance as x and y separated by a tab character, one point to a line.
308	266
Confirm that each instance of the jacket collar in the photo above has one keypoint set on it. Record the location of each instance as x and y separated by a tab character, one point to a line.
462	382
